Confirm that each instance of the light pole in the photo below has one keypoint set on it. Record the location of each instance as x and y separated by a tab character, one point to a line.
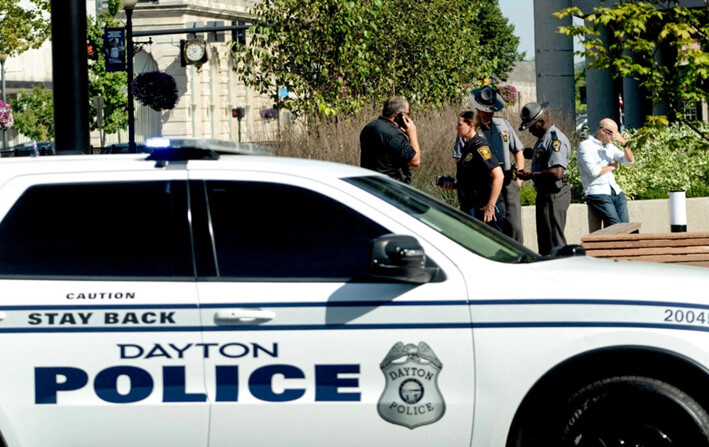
3	58
128	6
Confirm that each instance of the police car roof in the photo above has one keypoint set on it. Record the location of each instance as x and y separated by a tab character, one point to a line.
15	166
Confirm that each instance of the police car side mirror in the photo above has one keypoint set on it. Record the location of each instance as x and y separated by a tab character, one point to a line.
568	250
528	153
400	258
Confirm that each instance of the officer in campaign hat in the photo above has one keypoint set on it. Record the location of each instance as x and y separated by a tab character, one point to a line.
550	158
507	149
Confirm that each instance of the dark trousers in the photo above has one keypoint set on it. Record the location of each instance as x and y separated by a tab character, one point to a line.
612	208
500	212
551	218
512	225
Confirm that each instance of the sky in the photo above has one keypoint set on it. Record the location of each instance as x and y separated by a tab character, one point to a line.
520	13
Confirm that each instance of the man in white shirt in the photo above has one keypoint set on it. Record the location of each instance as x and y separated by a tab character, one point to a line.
597	158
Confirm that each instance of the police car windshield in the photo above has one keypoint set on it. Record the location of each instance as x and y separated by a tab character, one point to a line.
455	225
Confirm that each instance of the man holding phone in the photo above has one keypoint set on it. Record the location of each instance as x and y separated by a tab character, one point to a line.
389	144
597	158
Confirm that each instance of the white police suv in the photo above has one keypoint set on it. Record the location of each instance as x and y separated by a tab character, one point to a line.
191	298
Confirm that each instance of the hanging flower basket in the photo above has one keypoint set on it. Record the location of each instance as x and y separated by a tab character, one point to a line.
6	119
269	114
156	90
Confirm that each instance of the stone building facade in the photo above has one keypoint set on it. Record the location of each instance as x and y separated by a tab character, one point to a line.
207	94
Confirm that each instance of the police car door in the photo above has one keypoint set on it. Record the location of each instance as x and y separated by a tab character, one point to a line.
99	326
302	353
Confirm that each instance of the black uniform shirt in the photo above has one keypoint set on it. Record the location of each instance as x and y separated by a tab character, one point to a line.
386	149
473	176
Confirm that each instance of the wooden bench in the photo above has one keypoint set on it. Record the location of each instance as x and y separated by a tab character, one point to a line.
675	248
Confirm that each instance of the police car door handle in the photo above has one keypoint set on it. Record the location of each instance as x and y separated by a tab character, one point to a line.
243	316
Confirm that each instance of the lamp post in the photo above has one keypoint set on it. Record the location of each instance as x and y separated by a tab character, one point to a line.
3	58
128	6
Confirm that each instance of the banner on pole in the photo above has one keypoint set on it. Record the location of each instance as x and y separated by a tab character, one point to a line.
114	40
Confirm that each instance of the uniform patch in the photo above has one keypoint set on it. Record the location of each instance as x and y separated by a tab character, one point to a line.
484	152
411	396
504	136
556	145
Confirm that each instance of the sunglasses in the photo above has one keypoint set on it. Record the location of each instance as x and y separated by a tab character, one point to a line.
608	131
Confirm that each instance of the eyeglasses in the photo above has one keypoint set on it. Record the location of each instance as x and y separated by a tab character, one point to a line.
608	131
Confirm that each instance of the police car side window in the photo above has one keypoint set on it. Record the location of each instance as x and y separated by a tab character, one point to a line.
266	231
121	229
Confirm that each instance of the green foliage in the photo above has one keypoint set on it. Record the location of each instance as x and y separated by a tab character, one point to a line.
666	159
527	194
110	85
638	31
34	114
579	81
22	29
335	56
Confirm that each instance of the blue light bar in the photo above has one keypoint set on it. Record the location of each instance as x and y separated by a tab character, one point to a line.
157	142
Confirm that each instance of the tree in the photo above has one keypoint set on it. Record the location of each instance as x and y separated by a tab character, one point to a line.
499	44
639	32
110	85
34	114
22	29
333	55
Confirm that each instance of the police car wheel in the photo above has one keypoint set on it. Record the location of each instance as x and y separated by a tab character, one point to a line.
634	411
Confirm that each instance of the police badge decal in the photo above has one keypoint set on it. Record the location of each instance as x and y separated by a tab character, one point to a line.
411	396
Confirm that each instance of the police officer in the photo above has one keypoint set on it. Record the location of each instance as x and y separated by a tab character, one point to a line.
550	157
507	148
479	176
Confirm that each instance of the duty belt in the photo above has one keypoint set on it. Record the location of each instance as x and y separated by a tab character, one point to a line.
545	184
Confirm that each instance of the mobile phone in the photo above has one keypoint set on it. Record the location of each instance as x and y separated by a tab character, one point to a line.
399	120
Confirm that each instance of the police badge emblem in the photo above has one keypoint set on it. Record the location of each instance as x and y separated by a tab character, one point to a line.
504	136
484	152
411	396
556	145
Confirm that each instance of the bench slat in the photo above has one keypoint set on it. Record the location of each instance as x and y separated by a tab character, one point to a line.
674	248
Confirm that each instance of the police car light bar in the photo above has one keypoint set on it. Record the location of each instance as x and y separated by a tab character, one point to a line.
200	148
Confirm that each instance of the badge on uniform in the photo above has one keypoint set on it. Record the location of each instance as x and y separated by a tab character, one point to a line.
556	145
468	157
484	152
411	396
504	136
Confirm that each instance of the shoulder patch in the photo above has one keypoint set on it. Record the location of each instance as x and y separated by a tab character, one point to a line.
505	136
555	141
484	152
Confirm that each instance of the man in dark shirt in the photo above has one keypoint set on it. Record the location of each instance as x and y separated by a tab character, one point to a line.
389	144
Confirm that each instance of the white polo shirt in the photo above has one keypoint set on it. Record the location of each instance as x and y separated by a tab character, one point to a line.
591	157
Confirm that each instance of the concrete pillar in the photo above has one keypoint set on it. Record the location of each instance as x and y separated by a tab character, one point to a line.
554	62
601	96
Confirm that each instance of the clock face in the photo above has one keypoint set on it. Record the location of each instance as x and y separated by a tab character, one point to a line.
194	51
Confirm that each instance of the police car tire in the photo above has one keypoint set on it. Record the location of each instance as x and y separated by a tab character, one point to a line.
632	410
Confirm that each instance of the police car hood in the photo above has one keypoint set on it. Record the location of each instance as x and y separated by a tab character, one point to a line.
587	277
